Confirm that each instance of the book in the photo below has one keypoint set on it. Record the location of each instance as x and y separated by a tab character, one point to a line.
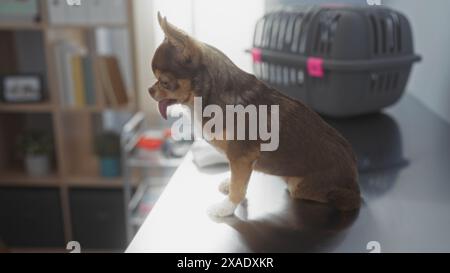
112	81
8	52
105	83
78	81
117	81
64	52
89	82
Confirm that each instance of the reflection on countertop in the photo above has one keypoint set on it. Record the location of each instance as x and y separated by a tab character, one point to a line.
377	142
403	155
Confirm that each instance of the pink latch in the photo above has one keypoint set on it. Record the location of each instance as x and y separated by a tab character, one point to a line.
257	55
315	67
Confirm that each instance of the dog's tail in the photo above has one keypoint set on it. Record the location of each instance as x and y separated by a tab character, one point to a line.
344	199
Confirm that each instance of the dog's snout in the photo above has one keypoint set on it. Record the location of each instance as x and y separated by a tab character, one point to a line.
152	91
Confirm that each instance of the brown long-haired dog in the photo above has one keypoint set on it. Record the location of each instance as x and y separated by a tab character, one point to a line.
317	163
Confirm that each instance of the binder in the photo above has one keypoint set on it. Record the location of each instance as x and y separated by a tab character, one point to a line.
97	11
117	12
56	11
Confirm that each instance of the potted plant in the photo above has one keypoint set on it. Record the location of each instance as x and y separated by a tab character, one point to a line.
37	148
107	146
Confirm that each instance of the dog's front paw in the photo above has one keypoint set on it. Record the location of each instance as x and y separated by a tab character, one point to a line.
222	209
224	187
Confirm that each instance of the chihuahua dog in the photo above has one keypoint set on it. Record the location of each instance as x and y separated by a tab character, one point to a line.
315	161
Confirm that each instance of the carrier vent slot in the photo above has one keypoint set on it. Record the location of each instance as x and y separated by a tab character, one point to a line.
383	83
380	84
386	30
278	75
300	77
304	32
376	34
282	31
267	32
257	38
296	33
325	35
390	35
293	76
383	36
333	29
285	76
398	31
373	82
256	69
387	84
275	31
265	71
289	29
270	72
395	80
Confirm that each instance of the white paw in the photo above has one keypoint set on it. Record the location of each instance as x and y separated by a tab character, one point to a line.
224	187
222	209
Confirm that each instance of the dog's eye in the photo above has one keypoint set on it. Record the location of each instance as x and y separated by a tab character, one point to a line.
164	84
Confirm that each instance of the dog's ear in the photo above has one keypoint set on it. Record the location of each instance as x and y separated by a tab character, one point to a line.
186	46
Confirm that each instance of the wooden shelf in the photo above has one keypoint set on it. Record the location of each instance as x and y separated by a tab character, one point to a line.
97	109
90	109
95	182
21	26
87	26
26	107
42	26
17	178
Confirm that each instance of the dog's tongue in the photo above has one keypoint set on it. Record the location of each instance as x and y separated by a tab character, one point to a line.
162	105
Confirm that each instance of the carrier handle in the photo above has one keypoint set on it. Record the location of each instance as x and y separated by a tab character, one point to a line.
316	64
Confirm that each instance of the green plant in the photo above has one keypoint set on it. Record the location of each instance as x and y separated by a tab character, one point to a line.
35	143
107	144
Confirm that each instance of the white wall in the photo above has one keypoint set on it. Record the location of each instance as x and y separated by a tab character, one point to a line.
430	81
225	24
144	21
229	26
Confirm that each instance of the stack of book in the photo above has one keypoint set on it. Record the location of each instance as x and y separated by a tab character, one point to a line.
88	12
79	75
19	10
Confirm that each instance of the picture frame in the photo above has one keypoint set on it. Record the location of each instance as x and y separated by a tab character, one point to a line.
22	88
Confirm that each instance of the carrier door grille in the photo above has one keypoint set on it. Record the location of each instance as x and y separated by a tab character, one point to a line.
384	82
324	40
387	33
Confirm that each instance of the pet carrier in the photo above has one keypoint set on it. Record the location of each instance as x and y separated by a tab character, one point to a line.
340	60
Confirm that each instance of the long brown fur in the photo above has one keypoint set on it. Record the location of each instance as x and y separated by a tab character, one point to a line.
314	159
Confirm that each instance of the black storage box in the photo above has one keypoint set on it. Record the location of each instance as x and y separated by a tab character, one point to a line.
340	60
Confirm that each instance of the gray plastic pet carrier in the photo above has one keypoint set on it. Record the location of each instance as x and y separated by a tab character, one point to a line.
340	60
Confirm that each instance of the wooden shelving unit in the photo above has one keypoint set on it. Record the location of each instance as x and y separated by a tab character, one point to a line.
44	107
14	178
21	26
70	150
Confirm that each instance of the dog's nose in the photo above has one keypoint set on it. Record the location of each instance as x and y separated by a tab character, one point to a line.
151	91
